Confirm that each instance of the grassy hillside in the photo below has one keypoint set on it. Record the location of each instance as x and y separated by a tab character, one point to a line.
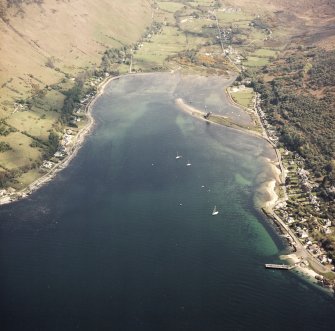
55	38
44	45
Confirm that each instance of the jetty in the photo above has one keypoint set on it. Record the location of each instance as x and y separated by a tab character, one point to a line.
279	266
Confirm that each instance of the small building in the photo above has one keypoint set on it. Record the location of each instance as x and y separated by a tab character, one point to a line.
3	193
206	116
59	154
306	186
291	220
47	164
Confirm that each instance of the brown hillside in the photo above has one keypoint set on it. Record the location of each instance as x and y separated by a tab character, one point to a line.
309	21
69	35
44	42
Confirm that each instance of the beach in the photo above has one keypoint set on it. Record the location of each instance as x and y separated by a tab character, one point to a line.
190	110
267	197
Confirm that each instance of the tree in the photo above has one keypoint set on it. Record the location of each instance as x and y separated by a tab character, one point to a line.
3	9
53	143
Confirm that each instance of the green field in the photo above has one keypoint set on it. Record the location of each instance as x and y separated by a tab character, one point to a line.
27	178
170	6
243	97
21	150
154	53
37	123
234	17
53	100
200	2
253	61
195	25
264	52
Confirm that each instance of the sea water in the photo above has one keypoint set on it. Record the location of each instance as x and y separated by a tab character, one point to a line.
124	238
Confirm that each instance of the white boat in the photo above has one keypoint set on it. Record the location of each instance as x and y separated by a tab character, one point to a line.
215	211
178	156
188	164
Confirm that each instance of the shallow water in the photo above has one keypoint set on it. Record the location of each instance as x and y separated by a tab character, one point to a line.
123	239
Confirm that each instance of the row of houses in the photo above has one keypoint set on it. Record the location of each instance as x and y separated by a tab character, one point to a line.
270	129
62	151
303	226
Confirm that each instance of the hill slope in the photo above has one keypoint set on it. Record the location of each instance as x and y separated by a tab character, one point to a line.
68	35
44	44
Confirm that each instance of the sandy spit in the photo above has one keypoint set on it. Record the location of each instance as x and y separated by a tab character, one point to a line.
190	110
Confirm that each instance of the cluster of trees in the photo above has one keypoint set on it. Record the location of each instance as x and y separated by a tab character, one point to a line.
306	122
299	101
258	23
115	56
321	73
5	130
5	177
73	95
49	147
5	4
52	144
328	245
4	147
72	98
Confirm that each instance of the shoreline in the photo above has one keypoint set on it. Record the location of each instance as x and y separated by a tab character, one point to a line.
305	264
196	113
76	145
78	141
268	187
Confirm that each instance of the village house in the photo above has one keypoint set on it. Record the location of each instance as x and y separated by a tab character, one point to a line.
306	186
302	233
66	139
3	193
59	154
291	220
47	164
326	230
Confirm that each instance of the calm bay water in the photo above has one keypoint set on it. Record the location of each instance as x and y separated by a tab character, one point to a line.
123	239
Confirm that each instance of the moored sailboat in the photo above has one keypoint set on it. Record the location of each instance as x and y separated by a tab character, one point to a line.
215	211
